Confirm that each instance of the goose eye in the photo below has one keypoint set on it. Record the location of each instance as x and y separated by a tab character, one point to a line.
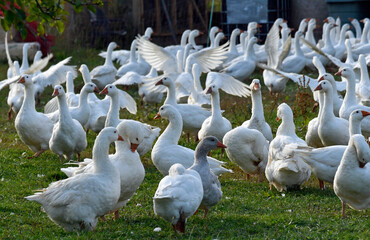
115	131
356	111
110	87
137	139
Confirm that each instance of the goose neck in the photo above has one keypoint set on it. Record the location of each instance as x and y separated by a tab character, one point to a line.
101	155
133	52
25	63
350	97
64	115
286	127
70	86
232	46
29	98
216	108
327	110
250	51
171	95
108	59
200	158
309	34
184	38
257	106
83	98
327	40
172	133
364	72
354	126
297	46
342	36
113	112
358	29
321	104
364	36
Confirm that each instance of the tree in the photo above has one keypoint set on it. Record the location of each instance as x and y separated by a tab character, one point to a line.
47	13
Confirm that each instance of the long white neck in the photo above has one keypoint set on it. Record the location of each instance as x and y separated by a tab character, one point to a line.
321	104
364	36
184	38
29	99
101	155
327	111
286	127
108	59
358	29
309	34
349	58
83	98
364	72
133	52
69	85
349	159
171	95
249	53
25	63
342	36
215	104
65	118
297	46
232	46
113	112
257	106
196	79
327	41
354	126
350	97
172	133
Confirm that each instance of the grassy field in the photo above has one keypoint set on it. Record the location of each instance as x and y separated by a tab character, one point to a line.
248	209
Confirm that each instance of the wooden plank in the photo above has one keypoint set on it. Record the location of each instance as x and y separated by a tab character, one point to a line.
157	17
190	15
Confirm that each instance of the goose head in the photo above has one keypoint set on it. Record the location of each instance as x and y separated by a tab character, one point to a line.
362	149
324	86
299	34
112	45
166	111
148	33
212	89
26	80
176	169
253	27
109	134
90	88
109	90
37	56
209	143
132	132
327	76
58	91
358	115
255	85
284	111
166	81
347	73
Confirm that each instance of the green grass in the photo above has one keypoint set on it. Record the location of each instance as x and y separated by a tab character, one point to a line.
248	209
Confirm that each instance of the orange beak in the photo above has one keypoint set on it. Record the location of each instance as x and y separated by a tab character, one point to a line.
160	82
277	119
362	20
291	29
259	25
319	87
96	89
201	33
335	25
241	31
350	19
326	20
308	19
339	73
105	91
365	113
120	138
55	93
220	145
321	78
285	21
157	116
256	86
209	90
21	80
134	147
219	30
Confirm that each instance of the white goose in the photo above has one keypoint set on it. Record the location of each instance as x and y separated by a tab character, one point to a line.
197	95
68	137
325	161
76	203
105	74
241	69
352	179
247	148
133	65
178	196
340	47
166	150
363	87
328	122
33	128
212	193
126	160
296	62
82	112
257	120
192	115
121	99
283	170
175	48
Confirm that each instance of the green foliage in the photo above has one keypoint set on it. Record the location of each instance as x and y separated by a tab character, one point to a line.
49	13
248	209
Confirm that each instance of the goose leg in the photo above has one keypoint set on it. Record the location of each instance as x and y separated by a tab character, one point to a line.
322	186
61	159
247	177
181	223
103	218
78	156
271	187
10	112
116	215
343	209
260	175
36	154
205	212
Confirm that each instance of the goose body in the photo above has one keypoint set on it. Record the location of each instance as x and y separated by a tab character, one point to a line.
166	150
76	203
212	193
33	128
283	170
178	196
352	179
68	137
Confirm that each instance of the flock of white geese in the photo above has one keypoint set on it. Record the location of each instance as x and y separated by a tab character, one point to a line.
334	150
